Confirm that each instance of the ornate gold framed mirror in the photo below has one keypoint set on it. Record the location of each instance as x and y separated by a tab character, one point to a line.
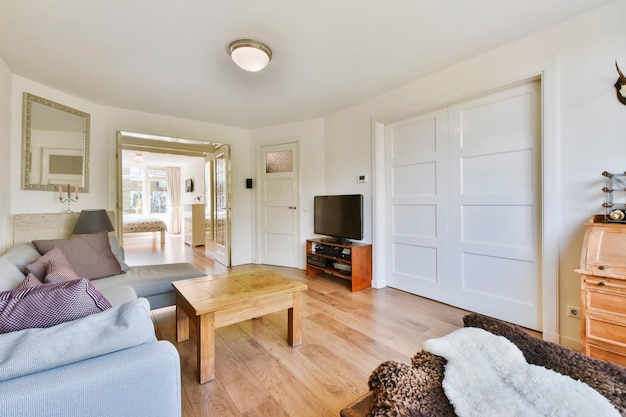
55	145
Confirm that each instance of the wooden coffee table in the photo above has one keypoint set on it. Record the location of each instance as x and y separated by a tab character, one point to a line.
216	301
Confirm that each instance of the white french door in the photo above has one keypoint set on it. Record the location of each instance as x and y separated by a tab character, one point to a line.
221	204
464	220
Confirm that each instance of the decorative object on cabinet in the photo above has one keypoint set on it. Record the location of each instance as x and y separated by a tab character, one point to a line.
194	225
352	261
603	291
614	211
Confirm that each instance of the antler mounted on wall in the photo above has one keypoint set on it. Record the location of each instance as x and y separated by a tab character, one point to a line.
621	80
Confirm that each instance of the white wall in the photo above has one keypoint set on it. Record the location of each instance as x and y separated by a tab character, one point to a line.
105	121
193	169
5	143
312	170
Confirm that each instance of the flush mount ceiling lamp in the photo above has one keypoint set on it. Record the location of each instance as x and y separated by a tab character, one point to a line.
249	54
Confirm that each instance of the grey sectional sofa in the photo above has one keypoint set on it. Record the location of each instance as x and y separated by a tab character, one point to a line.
105	364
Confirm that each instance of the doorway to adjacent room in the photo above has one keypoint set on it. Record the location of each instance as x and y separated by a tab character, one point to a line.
182	183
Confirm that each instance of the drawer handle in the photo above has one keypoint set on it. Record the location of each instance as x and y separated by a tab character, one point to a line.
601	267
602	283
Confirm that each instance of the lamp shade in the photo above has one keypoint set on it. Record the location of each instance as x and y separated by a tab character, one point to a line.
250	55
93	221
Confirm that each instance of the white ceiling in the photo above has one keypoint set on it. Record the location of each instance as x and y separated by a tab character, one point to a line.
170	57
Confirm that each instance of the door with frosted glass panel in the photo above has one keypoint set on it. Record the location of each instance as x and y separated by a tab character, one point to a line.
279	204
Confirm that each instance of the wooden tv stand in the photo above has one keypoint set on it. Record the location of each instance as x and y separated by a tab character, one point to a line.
350	260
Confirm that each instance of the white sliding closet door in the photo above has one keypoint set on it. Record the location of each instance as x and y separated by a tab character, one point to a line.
464	217
417	182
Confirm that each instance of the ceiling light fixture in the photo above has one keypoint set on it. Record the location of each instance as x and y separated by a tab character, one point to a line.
249	54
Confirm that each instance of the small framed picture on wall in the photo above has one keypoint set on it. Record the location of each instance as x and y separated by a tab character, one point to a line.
189	185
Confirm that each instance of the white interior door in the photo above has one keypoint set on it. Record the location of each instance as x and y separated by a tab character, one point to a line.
417	178
222	204
279	204
463	221
494	205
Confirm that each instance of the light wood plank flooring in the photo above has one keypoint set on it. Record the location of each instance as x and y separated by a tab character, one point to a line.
345	336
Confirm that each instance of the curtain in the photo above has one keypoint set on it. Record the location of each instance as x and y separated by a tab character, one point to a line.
174	191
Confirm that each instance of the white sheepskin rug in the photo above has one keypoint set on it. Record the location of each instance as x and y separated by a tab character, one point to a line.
487	375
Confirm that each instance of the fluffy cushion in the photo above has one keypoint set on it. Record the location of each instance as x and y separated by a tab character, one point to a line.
39	268
47	305
606	378
21	255
34	350
30	281
10	275
58	272
487	375
89	255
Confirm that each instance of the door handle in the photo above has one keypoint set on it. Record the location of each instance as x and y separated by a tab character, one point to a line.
292	207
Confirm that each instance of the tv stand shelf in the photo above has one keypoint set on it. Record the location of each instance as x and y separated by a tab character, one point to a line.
348	260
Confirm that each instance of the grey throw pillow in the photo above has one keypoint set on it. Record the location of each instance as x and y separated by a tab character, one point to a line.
10	275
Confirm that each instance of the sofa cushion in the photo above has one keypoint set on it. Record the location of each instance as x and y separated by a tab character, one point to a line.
149	280
59	272
120	294
118	252
39	268
89	255
21	255
30	281
47	305
34	350
10	275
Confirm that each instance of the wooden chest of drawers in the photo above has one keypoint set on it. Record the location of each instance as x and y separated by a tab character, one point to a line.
603	291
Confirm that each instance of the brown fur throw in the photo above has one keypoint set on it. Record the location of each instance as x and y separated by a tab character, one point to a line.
404	390
415	390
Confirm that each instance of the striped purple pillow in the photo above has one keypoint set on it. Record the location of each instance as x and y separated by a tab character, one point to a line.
47	305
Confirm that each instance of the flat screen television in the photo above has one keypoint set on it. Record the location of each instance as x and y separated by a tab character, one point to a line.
338	216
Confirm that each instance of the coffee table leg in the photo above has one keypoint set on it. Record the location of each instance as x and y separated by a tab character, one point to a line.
182	323
206	347
294	321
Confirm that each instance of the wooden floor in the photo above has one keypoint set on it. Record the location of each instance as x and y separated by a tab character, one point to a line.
345	336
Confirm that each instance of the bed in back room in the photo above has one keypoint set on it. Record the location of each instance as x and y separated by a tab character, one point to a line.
136	224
